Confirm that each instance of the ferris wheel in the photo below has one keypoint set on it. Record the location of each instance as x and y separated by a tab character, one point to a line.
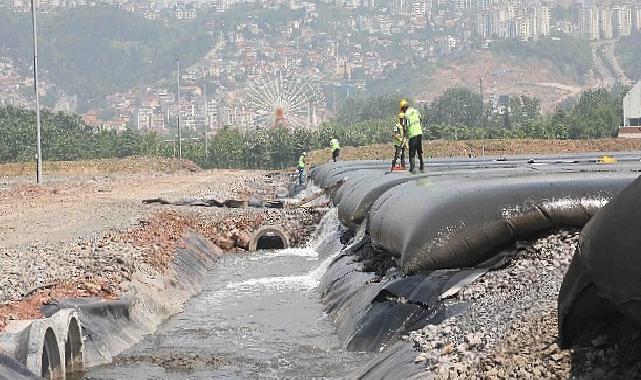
284	100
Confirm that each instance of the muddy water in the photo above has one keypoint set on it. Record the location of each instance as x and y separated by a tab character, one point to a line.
259	316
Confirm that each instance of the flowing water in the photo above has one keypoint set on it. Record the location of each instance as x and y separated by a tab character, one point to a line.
259	316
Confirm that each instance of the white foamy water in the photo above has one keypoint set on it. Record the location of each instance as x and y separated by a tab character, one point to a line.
292	252
328	229
308	281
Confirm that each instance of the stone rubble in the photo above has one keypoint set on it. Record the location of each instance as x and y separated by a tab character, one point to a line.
510	327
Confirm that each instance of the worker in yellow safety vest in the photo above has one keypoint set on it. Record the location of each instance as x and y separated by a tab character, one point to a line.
414	134
336	148
301	168
399	141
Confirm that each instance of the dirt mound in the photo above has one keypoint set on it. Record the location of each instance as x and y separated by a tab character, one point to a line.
129	165
444	148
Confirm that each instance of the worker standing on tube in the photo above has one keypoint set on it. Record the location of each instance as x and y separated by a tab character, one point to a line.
301	168
414	134
336	148
399	142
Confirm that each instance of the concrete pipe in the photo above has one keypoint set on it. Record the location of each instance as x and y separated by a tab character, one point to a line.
269	238
43	352
51	347
74	358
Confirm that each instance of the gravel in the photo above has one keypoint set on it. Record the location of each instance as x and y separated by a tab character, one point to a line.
510	327
69	239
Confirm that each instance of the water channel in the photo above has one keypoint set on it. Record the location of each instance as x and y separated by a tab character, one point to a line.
258	316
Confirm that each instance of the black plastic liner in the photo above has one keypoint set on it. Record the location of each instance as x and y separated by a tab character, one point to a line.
604	278
395	363
371	316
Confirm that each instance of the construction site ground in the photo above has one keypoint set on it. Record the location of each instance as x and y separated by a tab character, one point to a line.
86	230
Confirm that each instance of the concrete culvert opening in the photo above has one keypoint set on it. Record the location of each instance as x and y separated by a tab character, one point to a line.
51	366
269	238
73	348
270	242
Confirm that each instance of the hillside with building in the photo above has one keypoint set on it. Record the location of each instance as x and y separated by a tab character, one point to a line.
294	63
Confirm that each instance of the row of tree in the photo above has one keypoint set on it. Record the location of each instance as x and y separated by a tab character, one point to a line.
458	114
66	137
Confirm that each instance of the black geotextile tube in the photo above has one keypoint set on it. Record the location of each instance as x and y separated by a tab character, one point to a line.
352	179
455	224
358	195
328	174
355	198
605	273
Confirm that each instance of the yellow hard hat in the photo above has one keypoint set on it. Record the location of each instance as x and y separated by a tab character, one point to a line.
403	103
401	115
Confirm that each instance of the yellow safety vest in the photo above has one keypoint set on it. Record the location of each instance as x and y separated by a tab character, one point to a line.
398	135
333	143
301	162
413	120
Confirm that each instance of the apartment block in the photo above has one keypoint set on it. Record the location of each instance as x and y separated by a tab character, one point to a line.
589	23
622	21
605	23
636	19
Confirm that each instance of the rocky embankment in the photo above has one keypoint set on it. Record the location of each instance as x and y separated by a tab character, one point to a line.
107	235
510	328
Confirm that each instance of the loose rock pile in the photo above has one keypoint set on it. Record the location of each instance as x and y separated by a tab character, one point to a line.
510	328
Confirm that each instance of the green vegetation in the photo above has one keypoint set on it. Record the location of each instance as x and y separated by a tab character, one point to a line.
629	54
66	137
456	106
596	114
572	56
357	109
95	52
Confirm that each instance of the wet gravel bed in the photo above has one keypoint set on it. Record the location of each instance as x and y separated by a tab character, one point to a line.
510	327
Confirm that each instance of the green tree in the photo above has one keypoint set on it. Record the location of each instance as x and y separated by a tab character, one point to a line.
456	106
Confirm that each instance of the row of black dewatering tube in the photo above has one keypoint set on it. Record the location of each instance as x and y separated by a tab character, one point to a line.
459	215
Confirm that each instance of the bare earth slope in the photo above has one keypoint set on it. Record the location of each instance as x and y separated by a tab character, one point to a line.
503	76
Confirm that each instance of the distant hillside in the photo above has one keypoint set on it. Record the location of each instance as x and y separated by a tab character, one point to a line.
629	56
571	56
94	52
562	71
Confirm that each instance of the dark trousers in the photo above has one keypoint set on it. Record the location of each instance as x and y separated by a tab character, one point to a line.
399	151
416	148
301	175
335	154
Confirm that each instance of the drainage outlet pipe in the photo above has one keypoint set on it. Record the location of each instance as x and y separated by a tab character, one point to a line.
269	238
